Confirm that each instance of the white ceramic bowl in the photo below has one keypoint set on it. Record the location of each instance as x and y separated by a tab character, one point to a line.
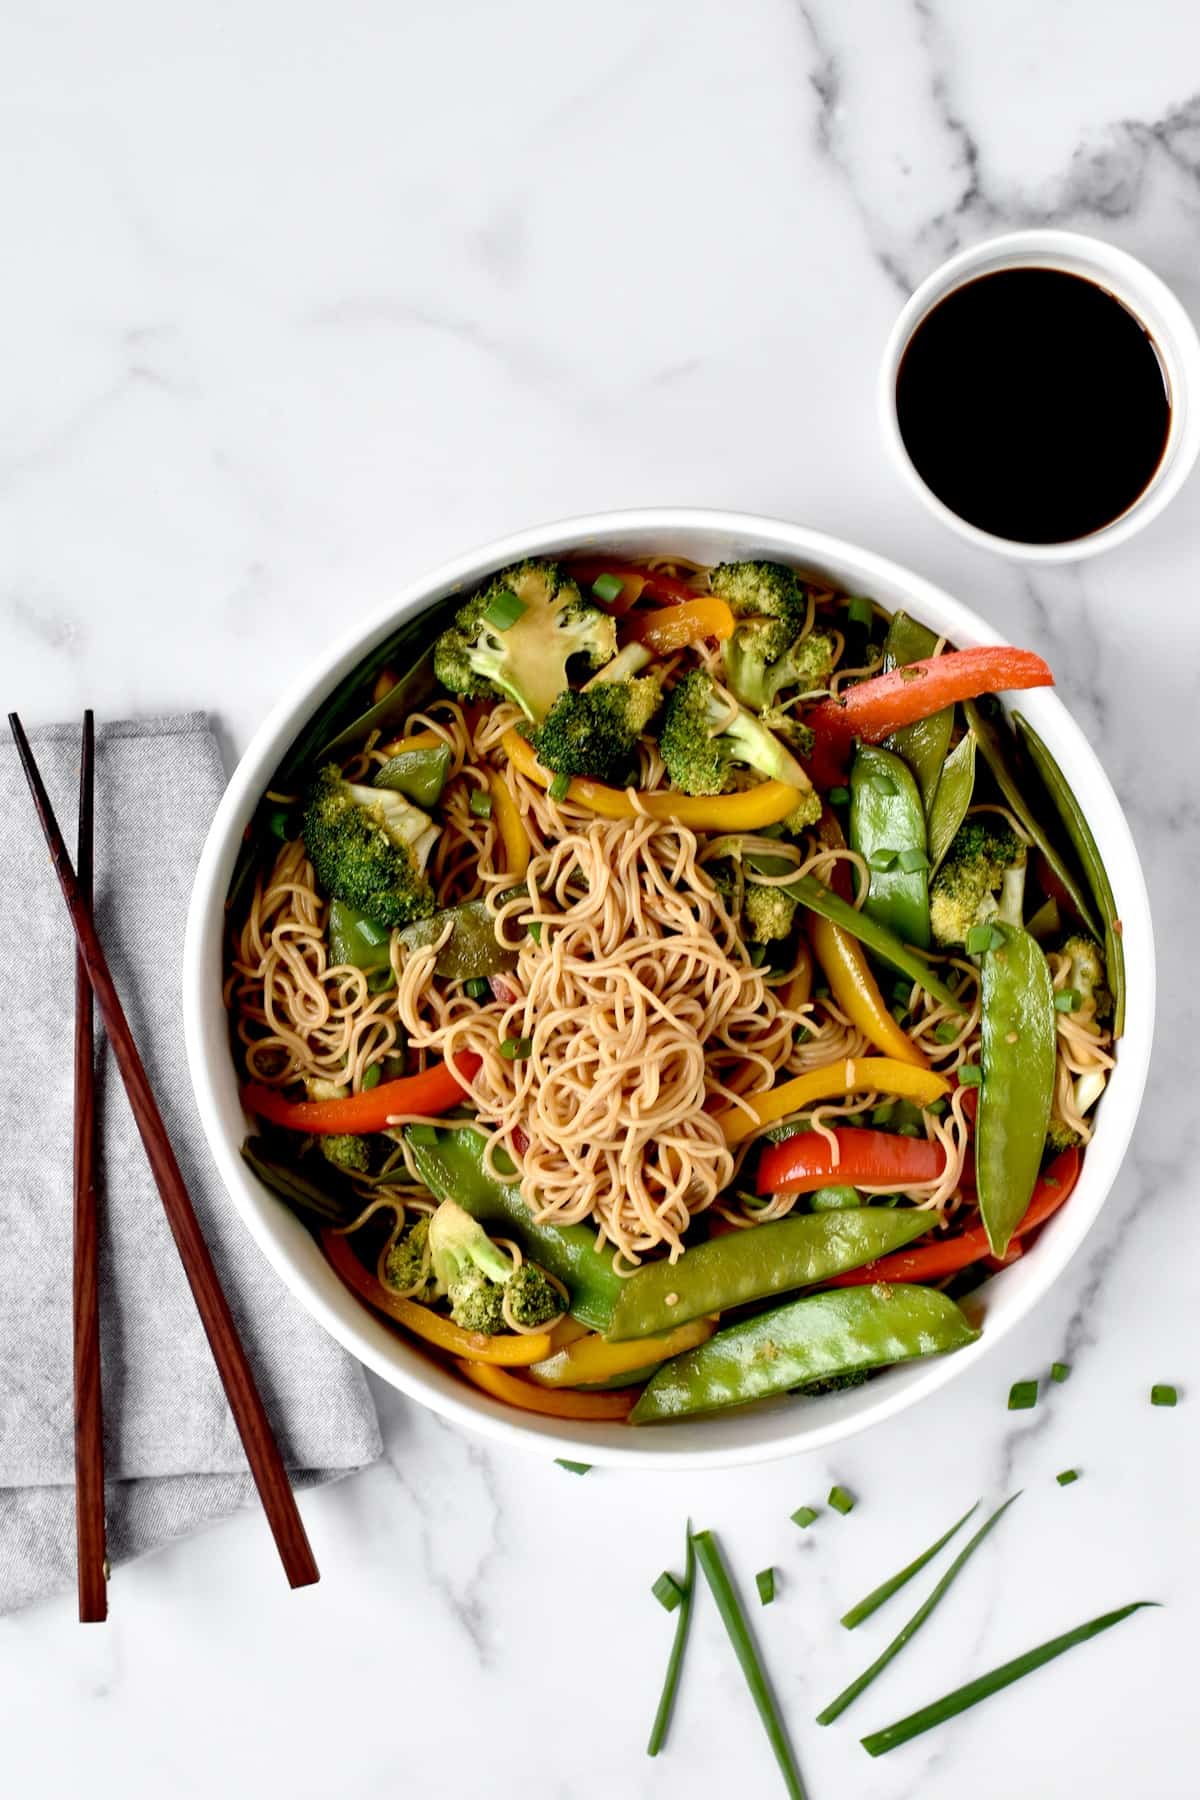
1146	296
779	1428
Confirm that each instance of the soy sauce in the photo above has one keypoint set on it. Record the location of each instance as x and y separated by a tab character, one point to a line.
1034	405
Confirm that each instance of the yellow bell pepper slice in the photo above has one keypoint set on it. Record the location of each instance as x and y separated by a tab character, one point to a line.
751	810
854	1075
669	628
556	1403
592	1359
856	991
513	834
420	740
516	1350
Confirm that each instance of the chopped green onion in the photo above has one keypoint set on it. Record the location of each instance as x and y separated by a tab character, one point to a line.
945	1031
860	611
902	992
881	859
1022	1395
480	803
516	1049
979	939
969	1074
804	1516
883	784
505	610
535	931
1068	1000
667	1591
881	1115
425	1135
1067	1477
935	1107
764	1581
894	1583
950	1705
666	1704
849	1694
477	988
607	587
913	859
278	823
834	1199
908	1131
841	1500
371	933
1163	1394
560	787
1059	1371
574	1468
708	1554
371	1077
839	796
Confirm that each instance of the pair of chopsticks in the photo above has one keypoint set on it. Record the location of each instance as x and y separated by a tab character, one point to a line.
94	985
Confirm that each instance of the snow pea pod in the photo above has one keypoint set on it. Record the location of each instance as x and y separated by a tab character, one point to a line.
471	950
807	1340
923	745
953	797
419	774
453	1169
887	828
1088	851
750	1265
1017	1087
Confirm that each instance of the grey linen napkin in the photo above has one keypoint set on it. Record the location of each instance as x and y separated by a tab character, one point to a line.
174	1459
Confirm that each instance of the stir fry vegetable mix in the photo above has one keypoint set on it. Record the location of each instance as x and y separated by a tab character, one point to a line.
898	857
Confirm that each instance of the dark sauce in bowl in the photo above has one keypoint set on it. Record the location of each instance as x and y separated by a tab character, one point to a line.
1034	404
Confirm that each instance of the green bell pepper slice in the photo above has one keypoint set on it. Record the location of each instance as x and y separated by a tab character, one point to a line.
420	774
1017	1085
471	950
453	1169
887	827
1088	851
762	1260
808	1340
924	744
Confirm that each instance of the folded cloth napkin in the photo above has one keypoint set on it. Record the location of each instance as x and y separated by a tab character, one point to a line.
174	1459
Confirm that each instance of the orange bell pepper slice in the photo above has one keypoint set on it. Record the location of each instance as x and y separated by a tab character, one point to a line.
555	1403
434	1091
668	628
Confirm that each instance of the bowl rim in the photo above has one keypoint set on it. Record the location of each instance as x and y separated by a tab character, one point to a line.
300	1264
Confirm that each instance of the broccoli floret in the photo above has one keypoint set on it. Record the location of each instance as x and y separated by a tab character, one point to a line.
469	1269
595	732
532	1296
407	1267
758	673
832	1384
369	847
1060	1137
795	733
767	592
982	878
347	1152
767	913
495	649
802	816
1087	974
704	740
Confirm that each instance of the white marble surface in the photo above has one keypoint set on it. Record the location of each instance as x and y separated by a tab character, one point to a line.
299	299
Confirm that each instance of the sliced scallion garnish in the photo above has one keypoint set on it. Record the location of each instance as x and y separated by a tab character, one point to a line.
666	1703
945	1031
573	1468
913	859
560	787
1066	1477
860	611
667	1591
371	1077
878	1743
1022	1395
969	1075
1059	1371
849	1694
708	1555
480	803
804	1516
880	860
516	1049
1068	1000
839	796
841	1500
607	586
505	610
1163	1394
894	1583
764	1581
477	988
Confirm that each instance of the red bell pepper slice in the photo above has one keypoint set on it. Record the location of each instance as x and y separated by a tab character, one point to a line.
803	1163
873	709
434	1091
636	582
945	1256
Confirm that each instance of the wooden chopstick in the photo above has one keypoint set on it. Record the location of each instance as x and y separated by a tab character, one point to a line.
91	1549
245	1402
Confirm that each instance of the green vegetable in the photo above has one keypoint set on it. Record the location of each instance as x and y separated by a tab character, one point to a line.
607	587
516	1049
860	611
764	1581
834	1199
314	1203
454	1169
806	1340
1017	1086
1067	1477
880	1742
849	1694
1068	1000
425	1135
667	1591
702	746
887	827
766	655
560	787
480	803
347	1152
471	951
477	987
369	847
839	796
751	1265
1046	922
981	880
804	1516
1163	1394
372	1077
469	1269
969	1074
407	1266
420	774
876	1598
733	1617
1059	1371
357	940
573	1468
525	659
841	1500
666	1704
1022	1395
954	795
1088	851
595	732
923	746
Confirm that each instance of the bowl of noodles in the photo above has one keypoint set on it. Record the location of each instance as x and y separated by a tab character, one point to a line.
669	988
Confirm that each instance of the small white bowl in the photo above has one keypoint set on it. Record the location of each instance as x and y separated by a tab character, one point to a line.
778	1428
1145	295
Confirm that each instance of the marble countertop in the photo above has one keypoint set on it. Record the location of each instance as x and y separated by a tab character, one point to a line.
297	302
